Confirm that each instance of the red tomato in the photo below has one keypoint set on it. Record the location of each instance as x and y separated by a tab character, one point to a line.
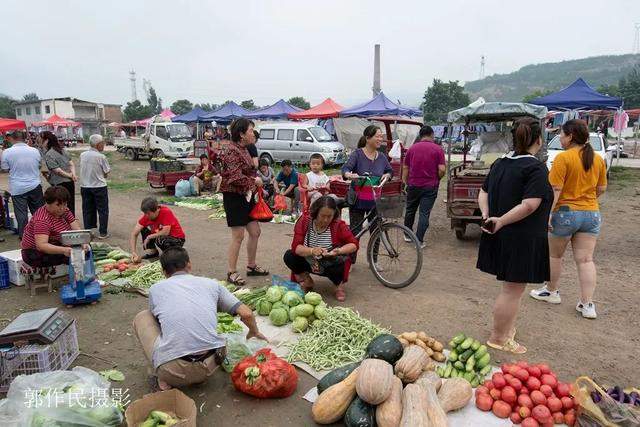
489	384
514	369
505	368
495	394
558	418
533	383
484	402
530	422
508	394
548	423
567	402
498	380
516	384
544	368
563	389
549	379
524	390
546	390
538	398
515	418
501	409
525	401
524	412
554	404
541	413
570	418
482	390
522	375
522	364
508	377
122	267
534	371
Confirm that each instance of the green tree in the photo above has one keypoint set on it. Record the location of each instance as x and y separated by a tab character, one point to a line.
7	107
538	93
155	103
440	98
300	102
630	88
610	90
206	106
249	105
181	106
31	96
136	111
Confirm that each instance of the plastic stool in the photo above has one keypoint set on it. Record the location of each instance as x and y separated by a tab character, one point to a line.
30	277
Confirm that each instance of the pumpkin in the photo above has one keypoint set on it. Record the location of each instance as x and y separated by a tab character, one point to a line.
335	376
331	404
414	405
429	378
385	347
375	378
389	412
454	394
437	415
360	414
410	365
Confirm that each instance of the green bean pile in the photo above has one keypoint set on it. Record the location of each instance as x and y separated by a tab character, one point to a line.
340	338
147	275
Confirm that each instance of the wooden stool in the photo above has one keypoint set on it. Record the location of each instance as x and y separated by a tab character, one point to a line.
30	274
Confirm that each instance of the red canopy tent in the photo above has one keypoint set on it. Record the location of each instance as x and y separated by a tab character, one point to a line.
57	121
11	124
325	110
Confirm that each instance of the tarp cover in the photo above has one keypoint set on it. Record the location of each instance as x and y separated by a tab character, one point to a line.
480	111
226	113
349	130
579	95
57	121
279	110
378	106
191	116
325	110
11	124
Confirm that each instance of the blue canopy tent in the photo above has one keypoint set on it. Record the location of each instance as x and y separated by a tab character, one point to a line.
578	96
279	110
191	116
225	114
380	106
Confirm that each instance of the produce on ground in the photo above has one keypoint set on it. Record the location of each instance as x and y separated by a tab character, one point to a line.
414	407
360	414
413	362
250	297
432	346
389	412
342	336
227	324
335	376
630	396
264	375
147	275
385	347
375	380
454	394
284	306
599	406
159	418
203	203
112	375
527	394
468	359
332	404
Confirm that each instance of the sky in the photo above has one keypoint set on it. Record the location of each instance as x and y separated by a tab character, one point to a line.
211	51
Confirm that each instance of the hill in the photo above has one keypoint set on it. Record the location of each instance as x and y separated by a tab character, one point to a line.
597	71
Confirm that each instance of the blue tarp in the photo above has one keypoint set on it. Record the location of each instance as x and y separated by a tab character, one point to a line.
578	96
191	116
279	110
380	106
226	113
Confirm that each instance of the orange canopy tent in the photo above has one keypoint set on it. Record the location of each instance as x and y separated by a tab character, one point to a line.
11	124
325	110
57	121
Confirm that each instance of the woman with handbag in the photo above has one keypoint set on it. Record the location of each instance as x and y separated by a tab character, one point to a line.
321	245
238	187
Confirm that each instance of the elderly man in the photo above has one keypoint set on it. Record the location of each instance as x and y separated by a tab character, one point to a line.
23	164
94	168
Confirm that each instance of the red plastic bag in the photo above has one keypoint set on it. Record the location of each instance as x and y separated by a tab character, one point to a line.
265	375
261	211
279	203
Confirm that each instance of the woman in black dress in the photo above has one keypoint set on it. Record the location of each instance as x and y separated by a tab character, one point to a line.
515	201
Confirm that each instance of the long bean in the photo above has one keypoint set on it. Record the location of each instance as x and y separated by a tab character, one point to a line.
341	337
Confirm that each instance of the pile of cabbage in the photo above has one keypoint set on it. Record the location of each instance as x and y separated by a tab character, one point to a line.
284	306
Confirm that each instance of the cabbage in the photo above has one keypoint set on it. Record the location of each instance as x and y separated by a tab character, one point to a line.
263	307
279	316
273	294
283	289
293	313
279	304
313	298
304	310
320	311
292	299
300	324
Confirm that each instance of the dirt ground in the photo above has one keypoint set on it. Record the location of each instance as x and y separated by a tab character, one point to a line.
449	296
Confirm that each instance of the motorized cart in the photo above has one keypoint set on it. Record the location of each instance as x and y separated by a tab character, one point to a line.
465	179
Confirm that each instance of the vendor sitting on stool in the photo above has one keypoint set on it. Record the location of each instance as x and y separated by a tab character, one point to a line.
321	243
178	332
159	227
206	177
41	239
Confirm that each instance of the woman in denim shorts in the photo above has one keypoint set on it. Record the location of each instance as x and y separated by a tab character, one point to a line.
578	177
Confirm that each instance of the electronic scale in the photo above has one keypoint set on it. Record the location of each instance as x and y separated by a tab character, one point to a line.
36	327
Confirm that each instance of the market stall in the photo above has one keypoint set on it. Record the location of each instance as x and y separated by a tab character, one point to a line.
380	105
279	110
67	131
225	114
7	125
326	109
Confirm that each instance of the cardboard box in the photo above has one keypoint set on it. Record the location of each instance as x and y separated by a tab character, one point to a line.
15	258
172	401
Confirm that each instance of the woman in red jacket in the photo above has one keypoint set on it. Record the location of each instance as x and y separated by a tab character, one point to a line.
321	245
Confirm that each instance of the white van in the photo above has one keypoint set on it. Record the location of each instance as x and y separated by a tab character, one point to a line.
297	142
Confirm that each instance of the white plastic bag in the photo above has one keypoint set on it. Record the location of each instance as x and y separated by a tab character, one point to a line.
396	150
238	347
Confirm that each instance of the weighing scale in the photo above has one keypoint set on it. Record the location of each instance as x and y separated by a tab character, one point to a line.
36	327
83	288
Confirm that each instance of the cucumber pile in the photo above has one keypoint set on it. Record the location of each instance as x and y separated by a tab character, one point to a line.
467	359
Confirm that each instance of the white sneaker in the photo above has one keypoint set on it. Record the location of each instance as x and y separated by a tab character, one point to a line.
423	245
544	294
407	239
588	310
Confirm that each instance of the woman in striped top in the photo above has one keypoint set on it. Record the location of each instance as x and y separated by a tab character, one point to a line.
321	243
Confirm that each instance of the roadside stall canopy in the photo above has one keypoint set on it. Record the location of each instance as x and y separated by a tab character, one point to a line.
578	96
279	110
165	114
57	121
7	125
379	105
325	110
225	114
191	116
481	111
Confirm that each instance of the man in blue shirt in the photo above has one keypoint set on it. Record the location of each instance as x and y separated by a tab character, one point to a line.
288	177
23	164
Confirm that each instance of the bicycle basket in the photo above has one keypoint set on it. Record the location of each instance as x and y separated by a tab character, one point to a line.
390	206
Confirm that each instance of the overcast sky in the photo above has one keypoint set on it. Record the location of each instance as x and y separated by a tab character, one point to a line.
210	51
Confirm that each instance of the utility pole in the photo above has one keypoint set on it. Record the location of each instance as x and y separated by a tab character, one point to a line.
636	39
146	84
482	62
132	78
376	71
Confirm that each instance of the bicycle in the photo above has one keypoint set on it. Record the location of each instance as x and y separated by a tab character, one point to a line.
388	240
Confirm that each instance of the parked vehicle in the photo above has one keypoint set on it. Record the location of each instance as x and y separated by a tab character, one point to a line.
599	144
297	142
161	139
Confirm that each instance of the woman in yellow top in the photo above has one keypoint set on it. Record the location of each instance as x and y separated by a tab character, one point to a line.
578	177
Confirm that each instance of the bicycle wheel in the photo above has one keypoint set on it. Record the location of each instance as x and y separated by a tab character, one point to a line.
395	262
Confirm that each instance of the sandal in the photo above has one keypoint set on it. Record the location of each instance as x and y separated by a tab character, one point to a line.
341	295
510	346
256	271
235	279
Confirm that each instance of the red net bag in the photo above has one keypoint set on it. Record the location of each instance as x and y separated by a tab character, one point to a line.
265	375
279	203
261	211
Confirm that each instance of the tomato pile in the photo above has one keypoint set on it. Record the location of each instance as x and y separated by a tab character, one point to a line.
527	394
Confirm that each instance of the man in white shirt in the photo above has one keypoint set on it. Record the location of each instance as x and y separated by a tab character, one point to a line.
94	168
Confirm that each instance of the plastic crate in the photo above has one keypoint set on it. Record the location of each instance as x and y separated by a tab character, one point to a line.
32	359
4	273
